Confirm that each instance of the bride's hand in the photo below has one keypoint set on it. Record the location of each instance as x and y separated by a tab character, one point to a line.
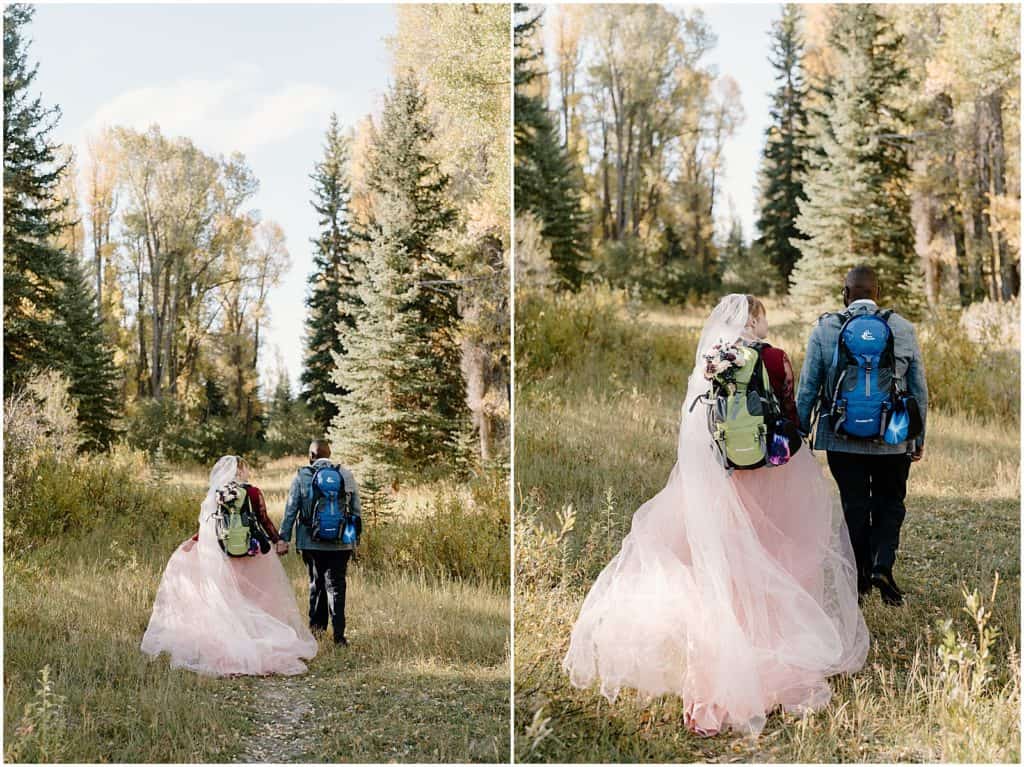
282	547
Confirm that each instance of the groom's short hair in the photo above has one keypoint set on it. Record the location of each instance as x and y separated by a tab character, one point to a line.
861	282
319	448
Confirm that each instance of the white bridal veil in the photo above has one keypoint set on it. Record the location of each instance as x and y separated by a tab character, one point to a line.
735	593
216	614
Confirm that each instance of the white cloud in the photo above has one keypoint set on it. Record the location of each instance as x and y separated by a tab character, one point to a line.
221	115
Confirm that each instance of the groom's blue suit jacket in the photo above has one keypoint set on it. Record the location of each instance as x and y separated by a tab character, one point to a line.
820	349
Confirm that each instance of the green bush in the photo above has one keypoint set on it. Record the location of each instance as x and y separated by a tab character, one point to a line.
972	366
456	538
182	434
52	499
597	327
981	377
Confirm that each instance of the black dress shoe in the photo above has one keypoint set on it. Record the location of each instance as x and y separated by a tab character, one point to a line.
890	592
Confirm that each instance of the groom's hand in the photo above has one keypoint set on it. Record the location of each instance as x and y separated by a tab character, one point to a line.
917	455
282	547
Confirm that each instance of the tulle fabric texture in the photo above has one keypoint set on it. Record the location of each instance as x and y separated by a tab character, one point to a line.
220	615
736	593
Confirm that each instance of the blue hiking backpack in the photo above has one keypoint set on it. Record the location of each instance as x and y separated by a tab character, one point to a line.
331	519
861	388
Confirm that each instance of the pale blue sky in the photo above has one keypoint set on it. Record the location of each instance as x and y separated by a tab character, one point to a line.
262	79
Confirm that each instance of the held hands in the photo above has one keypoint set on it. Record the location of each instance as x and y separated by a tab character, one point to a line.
917	455
282	547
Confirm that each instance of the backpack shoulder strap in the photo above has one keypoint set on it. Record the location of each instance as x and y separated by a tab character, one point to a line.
890	345
845	318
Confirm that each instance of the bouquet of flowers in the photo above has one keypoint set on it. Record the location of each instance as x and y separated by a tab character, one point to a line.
228	493
721	361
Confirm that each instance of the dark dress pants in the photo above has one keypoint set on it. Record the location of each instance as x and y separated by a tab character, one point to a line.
327	570
873	489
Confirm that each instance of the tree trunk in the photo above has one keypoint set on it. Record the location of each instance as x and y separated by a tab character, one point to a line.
970	205
997	152
606	209
97	250
984	191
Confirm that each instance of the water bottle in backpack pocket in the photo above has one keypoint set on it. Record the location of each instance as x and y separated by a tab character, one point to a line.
862	379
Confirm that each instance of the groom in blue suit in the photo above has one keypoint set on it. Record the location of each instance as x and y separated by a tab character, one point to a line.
326	561
871	474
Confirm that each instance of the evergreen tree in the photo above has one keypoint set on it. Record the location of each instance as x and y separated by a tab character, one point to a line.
784	167
746	268
50	315
289	426
35	269
216	400
406	397
333	298
545	178
858	209
88	361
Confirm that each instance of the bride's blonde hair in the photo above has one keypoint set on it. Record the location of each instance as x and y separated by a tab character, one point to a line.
754	307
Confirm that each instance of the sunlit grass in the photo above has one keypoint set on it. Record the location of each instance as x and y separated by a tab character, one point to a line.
425	678
600	435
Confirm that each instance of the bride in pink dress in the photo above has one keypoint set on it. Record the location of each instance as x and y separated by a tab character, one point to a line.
221	615
736	593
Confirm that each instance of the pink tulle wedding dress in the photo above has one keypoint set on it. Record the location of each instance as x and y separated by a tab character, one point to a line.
736	593
220	615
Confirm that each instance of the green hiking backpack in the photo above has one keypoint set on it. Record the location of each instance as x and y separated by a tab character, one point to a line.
234	520
742	408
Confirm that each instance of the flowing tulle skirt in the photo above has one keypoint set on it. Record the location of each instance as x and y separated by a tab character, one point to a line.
235	616
737	594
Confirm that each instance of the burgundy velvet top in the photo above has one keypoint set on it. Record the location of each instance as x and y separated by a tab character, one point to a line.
780	373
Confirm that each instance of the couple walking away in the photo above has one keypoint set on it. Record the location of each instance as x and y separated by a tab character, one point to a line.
225	605
738	586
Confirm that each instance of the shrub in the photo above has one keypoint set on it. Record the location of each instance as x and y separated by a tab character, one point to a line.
40	417
53	498
597	327
39	736
184	435
995	323
458	537
533	252
981	377
680	283
542	551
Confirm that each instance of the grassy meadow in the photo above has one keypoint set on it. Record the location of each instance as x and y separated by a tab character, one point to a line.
425	678
600	386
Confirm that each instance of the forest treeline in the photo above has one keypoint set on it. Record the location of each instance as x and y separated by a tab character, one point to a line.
149	292
893	140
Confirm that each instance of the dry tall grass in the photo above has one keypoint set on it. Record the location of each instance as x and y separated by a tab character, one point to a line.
600	389
425	678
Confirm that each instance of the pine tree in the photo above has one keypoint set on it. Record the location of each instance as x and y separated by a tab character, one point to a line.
88	362
784	167
545	178
51	319
746	268
333	299
858	209
406	397
34	268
